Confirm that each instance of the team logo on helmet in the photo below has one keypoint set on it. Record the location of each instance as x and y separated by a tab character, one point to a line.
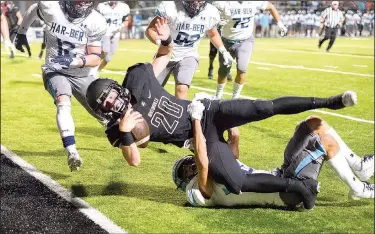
193	8
98	92
183	171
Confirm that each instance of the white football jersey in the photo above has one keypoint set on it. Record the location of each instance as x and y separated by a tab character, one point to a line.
64	37
349	19
288	20
310	19
222	197
186	32
317	20
114	16
366	18
357	19
240	17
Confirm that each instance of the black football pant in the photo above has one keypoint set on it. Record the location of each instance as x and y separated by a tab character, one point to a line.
12	36
212	54
330	33
220	115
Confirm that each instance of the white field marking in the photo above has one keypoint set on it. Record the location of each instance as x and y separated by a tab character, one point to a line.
322	53
93	214
263	68
328	66
253	98
284	66
356	65
36	75
312	69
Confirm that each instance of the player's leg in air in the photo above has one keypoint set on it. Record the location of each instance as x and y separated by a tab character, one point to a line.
43	45
314	142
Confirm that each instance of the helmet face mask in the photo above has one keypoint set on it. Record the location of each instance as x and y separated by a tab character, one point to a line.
183	171
193	8
100	90
77	9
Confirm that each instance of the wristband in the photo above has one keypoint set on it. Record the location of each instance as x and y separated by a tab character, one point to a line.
83	61
167	42
126	138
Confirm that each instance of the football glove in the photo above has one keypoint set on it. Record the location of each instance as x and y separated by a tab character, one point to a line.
20	41
65	62
228	60
282	28
196	110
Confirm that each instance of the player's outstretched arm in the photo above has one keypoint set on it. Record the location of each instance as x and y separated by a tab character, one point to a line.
270	7
163	55
128	146
202	161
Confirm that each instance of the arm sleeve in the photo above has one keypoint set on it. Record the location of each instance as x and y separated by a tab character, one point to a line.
195	197
29	17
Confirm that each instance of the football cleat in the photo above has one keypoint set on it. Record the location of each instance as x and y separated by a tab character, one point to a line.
11	55
368	168
74	161
368	192
349	98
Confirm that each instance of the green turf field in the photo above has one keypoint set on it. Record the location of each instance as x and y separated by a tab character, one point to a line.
144	199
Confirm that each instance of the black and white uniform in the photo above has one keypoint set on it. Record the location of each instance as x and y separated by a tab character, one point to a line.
332	20
169	121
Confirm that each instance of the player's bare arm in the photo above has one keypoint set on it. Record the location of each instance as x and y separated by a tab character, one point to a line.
129	149
4	28
201	157
151	32
19	17
270	7
165	49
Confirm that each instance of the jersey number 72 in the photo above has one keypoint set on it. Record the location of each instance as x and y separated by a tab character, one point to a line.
244	22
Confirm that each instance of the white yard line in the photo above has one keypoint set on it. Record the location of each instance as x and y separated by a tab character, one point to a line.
263	68
328	66
252	98
356	65
321	53
279	65
90	212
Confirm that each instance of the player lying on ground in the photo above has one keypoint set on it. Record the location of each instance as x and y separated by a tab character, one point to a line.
74	31
313	142
169	121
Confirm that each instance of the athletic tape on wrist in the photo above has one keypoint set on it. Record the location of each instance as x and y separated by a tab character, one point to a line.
126	138
167	42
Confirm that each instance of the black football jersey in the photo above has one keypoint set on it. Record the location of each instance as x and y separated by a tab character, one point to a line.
167	116
12	17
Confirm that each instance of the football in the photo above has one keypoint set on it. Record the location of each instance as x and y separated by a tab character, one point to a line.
141	134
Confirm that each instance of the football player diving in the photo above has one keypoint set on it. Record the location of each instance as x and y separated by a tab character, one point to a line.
313	142
116	14
74	31
140	97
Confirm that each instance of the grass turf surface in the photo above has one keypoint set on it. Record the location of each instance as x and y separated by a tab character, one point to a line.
144	199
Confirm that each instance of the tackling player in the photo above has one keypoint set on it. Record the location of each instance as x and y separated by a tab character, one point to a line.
74	31
238	39
116	14
189	21
141	97
313	142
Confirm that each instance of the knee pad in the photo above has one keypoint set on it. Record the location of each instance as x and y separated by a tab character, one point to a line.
223	70
64	119
264	108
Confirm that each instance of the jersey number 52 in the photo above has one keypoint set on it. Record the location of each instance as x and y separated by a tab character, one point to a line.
186	40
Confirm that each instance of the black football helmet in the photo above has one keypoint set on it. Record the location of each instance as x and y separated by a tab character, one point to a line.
183	171
77	9
193	8
98	91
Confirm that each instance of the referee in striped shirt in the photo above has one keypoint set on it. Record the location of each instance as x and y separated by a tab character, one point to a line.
331	19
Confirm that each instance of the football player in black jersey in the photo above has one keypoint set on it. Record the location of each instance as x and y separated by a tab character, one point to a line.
140	95
14	18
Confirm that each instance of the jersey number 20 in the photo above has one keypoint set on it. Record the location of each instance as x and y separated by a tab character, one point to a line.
167	109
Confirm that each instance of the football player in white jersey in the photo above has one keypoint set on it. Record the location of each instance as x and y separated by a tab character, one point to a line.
237	36
116	14
189	21
313	139
74	31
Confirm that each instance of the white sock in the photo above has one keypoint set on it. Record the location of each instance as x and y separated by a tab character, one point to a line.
71	148
220	88
354	161
237	90
340	165
65	125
